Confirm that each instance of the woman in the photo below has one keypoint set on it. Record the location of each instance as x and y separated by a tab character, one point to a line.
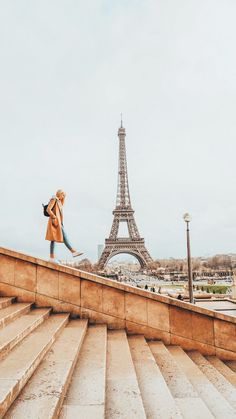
55	229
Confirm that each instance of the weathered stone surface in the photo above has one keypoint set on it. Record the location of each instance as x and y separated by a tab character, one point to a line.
13	312
176	380
113	302
69	288
153	387
225	335
22	295
47	282
87	388
149	332
123	398
158	315
25	275
44	393
16	331
181	322
104	300
39	376
203	329
57	305
194	408
135	308
223	386
190	344
225	327
91	295
19	365
223	369
7	269
86	412
215	402
100	318
100	280
225	355
6	301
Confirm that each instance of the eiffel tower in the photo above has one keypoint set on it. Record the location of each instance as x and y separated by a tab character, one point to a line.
123	213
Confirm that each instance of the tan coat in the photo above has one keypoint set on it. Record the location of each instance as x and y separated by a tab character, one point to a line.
54	231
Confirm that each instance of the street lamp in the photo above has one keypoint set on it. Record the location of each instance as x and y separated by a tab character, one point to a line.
187	219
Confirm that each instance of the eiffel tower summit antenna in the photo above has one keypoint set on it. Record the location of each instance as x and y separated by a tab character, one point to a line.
123	212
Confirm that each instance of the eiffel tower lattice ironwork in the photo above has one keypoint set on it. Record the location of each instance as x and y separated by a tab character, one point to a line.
123	213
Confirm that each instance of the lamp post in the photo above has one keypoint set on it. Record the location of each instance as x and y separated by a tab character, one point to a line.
187	219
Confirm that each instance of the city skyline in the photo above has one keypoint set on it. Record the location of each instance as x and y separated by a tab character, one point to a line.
170	69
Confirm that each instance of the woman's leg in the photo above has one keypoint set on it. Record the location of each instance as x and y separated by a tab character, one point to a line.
66	241
52	248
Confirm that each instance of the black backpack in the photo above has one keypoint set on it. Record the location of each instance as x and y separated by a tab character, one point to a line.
45	212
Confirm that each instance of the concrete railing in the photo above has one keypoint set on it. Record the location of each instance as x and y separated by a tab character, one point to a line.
118	305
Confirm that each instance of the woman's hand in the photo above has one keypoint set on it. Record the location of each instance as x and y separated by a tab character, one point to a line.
55	222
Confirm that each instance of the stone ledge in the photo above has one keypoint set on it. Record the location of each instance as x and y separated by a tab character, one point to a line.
118	305
111	283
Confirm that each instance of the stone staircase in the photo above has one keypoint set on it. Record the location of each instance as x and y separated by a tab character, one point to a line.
54	367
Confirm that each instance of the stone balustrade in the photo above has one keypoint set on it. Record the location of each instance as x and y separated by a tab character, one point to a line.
118	305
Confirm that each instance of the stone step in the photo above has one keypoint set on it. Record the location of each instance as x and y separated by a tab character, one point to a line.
223	369
44	393
191	407
231	365
185	395
6	301
157	399
16	331
216	403
12	312
22	361
86	395
123	398
215	377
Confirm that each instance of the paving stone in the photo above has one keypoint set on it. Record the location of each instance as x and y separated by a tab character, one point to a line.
123	397
6	301
45	391
216	403
153	387
224	369
13	312
17	368
180	387
86	394
215	377
14	332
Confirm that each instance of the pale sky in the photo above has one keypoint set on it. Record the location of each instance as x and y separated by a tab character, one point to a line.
68	68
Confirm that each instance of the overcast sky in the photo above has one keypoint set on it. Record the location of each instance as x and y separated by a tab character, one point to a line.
67	70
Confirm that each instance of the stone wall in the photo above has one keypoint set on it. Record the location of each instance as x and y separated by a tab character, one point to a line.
118	305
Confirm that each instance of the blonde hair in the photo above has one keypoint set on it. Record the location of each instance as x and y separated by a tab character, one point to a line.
59	192
58	195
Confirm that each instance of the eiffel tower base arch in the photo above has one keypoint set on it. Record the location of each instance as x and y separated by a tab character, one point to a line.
116	247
